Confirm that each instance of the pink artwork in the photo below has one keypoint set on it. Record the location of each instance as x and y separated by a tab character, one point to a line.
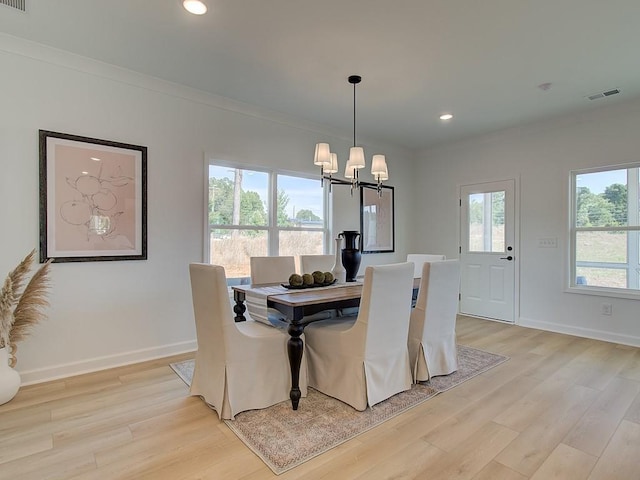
376	219
93	199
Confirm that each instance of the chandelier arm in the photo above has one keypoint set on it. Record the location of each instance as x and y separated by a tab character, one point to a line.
341	181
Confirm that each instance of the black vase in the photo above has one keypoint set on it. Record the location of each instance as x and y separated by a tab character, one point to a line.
351	255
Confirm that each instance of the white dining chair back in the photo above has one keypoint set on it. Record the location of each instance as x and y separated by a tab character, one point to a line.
268	270
271	269
432	333
238	366
418	260
312	263
364	360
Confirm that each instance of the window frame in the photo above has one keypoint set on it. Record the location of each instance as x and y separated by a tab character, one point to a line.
633	250
272	228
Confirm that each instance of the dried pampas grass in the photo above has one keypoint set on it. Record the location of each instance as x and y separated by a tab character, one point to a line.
6	311
20	311
19	274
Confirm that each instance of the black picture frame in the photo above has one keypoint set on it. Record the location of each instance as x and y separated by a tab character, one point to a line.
377	219
93	199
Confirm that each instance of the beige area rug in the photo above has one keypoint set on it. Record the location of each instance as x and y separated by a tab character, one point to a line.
284	439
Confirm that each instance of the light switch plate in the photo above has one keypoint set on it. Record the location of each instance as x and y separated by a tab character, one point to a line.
548	242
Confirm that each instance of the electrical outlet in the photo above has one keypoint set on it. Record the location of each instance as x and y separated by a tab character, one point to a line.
607	309
548	242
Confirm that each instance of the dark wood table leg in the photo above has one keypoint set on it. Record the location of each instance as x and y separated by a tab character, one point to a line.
239	308
295	349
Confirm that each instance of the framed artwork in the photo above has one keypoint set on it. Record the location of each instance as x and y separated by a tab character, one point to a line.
377	219
93	199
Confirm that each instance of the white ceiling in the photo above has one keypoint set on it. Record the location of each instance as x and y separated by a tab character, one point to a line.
480	60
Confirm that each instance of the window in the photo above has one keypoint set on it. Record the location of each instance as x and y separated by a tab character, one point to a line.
605	251
486	222
254	212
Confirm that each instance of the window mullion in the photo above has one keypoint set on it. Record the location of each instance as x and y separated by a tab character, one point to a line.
328	215
633	279
272	241
573	241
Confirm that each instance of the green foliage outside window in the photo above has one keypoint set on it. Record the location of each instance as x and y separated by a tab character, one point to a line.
602	210
282	202
616	194
306	215
252	209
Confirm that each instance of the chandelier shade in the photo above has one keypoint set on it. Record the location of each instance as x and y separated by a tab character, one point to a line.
382	175
323	155
349	170
333	167
356	157
378	165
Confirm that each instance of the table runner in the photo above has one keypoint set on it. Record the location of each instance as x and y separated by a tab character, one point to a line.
256	299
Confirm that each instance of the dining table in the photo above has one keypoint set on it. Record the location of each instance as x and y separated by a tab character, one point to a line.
297	305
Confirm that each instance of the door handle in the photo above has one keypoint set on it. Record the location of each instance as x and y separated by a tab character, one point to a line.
507	258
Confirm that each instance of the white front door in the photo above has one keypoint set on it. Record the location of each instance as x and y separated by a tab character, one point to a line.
487	250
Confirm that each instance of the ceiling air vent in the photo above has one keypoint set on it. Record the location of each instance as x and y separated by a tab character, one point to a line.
608	93
17	4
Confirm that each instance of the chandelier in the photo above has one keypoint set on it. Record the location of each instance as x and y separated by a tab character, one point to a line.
328	161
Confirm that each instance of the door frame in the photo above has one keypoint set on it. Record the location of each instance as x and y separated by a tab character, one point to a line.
516	240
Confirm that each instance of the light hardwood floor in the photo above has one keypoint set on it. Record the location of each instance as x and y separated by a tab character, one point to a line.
562	407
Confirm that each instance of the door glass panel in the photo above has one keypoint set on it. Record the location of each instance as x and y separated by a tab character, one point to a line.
486	222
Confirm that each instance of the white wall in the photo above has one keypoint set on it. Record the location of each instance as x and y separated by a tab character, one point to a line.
109	313
540	157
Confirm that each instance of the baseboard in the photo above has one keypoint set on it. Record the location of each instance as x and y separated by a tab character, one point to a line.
581	332
56	372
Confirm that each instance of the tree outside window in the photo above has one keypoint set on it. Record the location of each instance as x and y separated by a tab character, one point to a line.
239	203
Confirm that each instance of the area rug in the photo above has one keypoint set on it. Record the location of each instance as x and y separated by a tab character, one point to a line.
284	439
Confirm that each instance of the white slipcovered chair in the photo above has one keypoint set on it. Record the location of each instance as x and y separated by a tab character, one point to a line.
418	260
364	360
432	332
239	366
311	263
266	270
272	270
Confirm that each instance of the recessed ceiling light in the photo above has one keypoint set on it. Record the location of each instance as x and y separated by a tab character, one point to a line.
195	6
446	116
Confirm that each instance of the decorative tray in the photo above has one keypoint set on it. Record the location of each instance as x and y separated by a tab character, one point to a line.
301	287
